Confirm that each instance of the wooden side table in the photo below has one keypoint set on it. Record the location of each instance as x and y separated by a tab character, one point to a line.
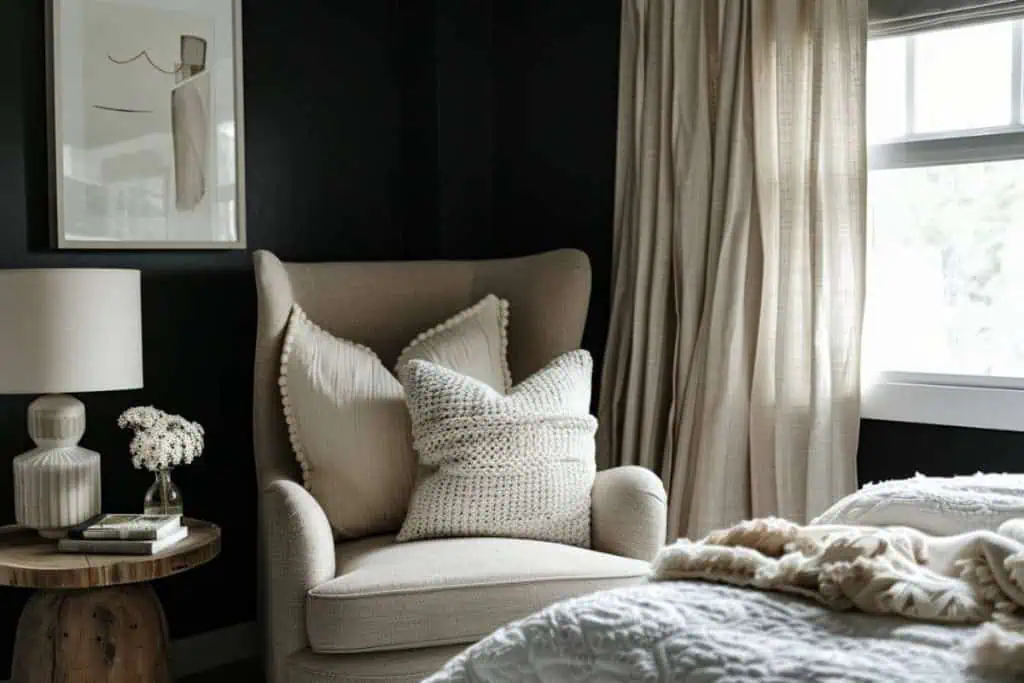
93	618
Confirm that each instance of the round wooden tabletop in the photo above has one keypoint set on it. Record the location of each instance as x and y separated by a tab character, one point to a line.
28	560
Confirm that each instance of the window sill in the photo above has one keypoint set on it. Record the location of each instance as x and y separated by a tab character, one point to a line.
956	406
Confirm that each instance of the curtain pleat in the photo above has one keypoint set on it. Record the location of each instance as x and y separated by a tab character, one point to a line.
732	364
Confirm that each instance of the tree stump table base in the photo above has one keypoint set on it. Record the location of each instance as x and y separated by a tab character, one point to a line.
94	619
102	635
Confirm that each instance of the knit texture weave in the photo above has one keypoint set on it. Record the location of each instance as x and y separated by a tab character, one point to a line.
519	465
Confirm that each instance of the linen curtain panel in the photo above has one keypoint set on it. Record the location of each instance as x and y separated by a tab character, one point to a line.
733	359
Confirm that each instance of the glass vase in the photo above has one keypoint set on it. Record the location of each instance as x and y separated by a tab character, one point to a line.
163	497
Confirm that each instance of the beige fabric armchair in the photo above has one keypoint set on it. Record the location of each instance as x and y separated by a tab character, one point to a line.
375	610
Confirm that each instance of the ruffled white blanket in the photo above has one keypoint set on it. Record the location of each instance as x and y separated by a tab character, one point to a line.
971	578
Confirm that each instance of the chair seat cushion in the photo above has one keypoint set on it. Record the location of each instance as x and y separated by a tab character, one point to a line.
425	593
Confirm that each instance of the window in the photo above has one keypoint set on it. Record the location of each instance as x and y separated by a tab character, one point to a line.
944	327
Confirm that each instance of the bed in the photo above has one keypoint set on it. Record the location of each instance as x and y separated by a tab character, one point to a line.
936	549
693	631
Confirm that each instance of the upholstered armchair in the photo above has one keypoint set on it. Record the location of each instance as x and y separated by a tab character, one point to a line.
375	610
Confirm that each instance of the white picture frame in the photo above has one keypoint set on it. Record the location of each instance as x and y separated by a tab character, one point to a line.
146	124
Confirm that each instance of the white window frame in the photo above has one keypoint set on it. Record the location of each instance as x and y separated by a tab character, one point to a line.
955	400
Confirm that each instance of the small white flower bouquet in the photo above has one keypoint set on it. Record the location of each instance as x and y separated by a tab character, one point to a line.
161	440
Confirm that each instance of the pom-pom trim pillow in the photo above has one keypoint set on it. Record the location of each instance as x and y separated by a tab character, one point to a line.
346	413
518	465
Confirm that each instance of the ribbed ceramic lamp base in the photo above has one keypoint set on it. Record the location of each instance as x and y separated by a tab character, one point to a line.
56	488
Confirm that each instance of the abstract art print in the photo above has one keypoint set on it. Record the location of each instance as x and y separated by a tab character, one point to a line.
147	124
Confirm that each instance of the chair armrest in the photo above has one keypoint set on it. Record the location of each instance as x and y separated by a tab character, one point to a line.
628	512
298	547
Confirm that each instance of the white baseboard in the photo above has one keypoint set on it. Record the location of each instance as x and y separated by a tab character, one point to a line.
212	649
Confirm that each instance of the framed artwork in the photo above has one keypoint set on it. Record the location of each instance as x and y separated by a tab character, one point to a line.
147	134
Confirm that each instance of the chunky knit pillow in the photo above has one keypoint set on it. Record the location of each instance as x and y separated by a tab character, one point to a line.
346	413
519	465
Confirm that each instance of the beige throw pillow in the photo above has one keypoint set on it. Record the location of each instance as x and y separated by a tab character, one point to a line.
519	464
347	418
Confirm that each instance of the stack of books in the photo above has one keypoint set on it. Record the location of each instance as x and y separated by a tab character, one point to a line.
125	535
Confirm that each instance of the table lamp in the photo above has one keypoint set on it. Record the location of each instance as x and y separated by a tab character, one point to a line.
62	331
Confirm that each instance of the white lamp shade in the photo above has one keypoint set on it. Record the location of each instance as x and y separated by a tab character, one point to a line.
70	330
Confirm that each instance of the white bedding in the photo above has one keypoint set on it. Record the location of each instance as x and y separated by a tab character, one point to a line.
692	631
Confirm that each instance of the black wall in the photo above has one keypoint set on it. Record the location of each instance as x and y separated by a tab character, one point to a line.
525	108
375	129
556	109
892	450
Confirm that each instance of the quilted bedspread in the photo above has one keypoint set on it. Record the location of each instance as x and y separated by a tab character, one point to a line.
710	633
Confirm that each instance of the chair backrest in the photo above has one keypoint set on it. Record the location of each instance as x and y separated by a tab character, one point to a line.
385	305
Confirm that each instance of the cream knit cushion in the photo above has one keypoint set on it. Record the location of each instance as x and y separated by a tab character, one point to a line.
517	465
346	413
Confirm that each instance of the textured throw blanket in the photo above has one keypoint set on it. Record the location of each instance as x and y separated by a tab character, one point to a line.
970	578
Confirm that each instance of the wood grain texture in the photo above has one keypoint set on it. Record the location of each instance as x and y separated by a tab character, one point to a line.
30	561
106	635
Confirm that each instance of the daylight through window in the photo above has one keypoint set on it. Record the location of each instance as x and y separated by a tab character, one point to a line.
946	209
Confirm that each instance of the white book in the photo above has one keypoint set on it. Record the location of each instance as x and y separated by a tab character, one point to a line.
128	527
121	547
